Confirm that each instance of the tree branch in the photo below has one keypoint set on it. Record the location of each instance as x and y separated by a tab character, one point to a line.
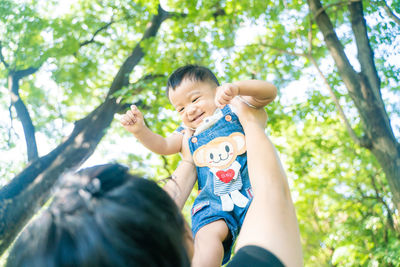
19	74
23	115
362	142
21	198
125	106
165	165
310	35
122	77
368	102
96	33
140	104
284	51
348	74
364	52
104	27
11	129
173	15
383	202
2	57
326	7
389	12
377	197
22	111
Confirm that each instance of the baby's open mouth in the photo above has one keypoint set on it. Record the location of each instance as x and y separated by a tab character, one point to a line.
198	117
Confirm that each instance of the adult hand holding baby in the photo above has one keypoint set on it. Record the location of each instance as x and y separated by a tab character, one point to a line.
249	116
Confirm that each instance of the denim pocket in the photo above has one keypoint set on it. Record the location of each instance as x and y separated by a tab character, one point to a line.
200	206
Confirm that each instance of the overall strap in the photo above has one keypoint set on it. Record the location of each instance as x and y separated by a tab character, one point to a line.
226	110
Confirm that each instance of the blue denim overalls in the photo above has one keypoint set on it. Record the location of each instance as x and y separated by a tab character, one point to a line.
207	206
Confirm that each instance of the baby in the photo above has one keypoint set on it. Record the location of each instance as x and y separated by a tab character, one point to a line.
218	149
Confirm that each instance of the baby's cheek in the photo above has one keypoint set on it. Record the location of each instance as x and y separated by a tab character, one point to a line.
183	118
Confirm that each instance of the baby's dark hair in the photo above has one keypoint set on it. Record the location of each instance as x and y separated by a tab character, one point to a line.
192	72
104	216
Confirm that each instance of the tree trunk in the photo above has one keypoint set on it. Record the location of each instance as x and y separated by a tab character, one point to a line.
30	189
23	115
20	199
364	90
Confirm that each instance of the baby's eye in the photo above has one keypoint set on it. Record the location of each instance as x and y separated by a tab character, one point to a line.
195	99
180	110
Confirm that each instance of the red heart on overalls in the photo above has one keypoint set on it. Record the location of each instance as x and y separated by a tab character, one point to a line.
226	176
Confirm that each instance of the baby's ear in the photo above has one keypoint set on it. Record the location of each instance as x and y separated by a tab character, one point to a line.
240	142
199	156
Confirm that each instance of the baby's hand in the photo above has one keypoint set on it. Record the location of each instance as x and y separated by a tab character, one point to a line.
133	120
225	93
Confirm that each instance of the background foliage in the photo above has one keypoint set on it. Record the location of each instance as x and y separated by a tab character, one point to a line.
342	198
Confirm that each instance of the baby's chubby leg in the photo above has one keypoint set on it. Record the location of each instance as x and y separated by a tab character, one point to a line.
208	249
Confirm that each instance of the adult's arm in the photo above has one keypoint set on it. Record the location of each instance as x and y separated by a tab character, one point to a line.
271	221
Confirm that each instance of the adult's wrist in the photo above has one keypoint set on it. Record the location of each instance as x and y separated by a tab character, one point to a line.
251	125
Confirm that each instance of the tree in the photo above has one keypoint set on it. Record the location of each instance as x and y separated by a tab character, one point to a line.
341	226
69	42
300	42
356	88
30	189
364	88
103	56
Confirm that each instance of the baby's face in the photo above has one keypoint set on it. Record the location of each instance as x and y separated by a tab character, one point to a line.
194	100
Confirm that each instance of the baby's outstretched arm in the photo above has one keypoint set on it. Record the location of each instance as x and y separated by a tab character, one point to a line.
133	121
256	92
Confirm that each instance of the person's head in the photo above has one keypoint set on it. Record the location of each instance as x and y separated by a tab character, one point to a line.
103	216
191	90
